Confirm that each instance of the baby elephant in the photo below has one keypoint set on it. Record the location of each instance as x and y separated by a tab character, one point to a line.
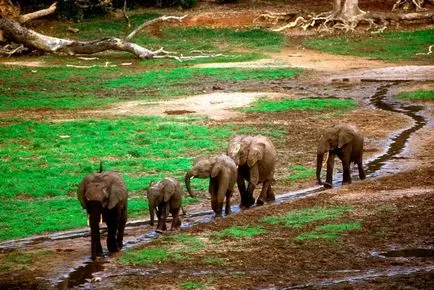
104	195
165	196
345	141
222	173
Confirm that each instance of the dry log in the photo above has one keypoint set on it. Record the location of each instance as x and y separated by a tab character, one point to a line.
29	38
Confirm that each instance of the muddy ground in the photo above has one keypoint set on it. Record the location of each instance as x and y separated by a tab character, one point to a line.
394	206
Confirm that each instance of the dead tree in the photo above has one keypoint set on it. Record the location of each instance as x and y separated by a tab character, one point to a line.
346	15
13	30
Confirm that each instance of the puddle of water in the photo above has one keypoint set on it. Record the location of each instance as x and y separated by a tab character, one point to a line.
81	275
398	141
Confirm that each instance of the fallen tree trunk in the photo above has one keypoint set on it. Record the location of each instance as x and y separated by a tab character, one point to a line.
29	38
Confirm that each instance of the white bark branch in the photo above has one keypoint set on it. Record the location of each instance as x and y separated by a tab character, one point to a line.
37	14
147	23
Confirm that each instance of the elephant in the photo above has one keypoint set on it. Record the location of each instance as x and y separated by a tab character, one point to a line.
222	174
105	194
165	197
345	141
256	158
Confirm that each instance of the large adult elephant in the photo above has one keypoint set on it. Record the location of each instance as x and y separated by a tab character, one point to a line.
222	174
165	197
256	158
345	141
104	194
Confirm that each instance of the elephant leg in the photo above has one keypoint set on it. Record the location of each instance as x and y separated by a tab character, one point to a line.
164	208
228	210
362	174
249	196
176	221
346	163
263	196
95	244
121	229
112	218
270	197
242	189
330	165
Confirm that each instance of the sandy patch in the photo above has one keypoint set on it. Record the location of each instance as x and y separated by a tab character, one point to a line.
216	106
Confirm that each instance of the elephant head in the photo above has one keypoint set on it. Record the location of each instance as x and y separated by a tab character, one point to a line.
156	194
238	149
165	196
203	168
333	138
97	193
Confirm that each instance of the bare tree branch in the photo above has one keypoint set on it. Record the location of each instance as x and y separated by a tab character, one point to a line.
147	23
124	11
37	14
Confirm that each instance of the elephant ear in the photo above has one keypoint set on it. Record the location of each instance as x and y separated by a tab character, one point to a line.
117	192
323	145
344	137
256	153
215	171
81	191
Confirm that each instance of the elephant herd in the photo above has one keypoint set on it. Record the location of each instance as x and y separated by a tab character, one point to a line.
248	162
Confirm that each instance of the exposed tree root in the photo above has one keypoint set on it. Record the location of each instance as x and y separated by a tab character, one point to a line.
331	21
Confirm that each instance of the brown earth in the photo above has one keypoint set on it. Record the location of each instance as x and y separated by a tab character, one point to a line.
394	212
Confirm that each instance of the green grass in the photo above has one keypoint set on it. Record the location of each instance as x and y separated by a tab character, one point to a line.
194	76
300	172
145	256
99	87
175	247
264	105
241	232
417	95
192	285
329	231
389	46
296	219
55	156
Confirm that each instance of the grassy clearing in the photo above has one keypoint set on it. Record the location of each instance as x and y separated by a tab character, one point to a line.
56	156
194	76
389	46
424	95
300	172
99	87
328	231
296	219
264	105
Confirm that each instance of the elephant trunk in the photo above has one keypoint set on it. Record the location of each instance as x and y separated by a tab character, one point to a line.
188	176
94	220
151	206
319	162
